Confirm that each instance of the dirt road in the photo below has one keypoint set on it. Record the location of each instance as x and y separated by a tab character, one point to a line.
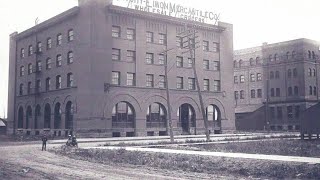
29	162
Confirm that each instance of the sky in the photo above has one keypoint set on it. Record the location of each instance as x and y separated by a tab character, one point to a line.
254	22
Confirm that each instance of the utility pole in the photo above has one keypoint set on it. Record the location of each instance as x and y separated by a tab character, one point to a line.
168	96
192	49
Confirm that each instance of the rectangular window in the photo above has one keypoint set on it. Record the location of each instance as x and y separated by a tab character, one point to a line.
22	55
216	65
30	50
29	88
38	86
216	85
48	83
179	61
205	46
150	82
253	93
289	112
70	57
242	94
58	82
252	77
38	66
162	39
162	59
272	112
206	85
179	82
191	84
115	54
149	36
278	92
131	79
49	43
149	58
70	80
48	63
59	60
206	64
70	35
131	34
39	47
236	95
115	78
22	71
162	81
190	62
235	79
259	77
259	93
279	112
242	79
115	31
59	39
179	42
131	56
215	47
297	112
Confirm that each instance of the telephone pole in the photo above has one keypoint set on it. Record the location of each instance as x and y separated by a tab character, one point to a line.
191	36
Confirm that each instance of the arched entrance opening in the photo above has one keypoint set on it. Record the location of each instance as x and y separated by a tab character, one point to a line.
47	116
57	116
28	117
69	116
37	116
156	116
123	115
20	118
187	117
213	115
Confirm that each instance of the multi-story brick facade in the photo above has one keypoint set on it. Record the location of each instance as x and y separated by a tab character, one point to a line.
98	69
275	83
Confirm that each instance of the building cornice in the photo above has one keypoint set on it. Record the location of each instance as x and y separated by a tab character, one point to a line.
164	18
48	23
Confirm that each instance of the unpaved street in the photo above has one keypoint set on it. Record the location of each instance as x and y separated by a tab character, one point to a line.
29	162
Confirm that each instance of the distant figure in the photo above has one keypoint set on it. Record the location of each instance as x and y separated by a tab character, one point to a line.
44	143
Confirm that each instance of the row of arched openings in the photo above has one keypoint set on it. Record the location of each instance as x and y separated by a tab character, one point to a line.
46	118
124	116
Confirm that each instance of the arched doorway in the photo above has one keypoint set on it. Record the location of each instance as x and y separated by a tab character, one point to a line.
123	115
156	116
69	115
28	116
213	115
20	118
57	116
37	116
47	116
187	117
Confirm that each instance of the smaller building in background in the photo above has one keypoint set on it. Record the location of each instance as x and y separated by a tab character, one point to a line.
275	83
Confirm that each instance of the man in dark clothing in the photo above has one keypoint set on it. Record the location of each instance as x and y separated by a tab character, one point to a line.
44	142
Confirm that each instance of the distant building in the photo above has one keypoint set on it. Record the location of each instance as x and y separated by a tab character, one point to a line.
275	83
98	69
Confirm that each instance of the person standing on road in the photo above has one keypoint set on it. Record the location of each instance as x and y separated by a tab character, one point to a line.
44	143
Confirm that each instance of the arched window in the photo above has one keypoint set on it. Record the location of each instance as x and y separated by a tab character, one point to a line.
289	73
251	62
310	90
241	63
288	55
314	90
70	35
28	117
70	80
272	92
58	60
57	116
293	54
70	57
48	63
235	64
213	114
289	91
20	117
270	58
242	95
309	54
48	84
296	90
21	89
314	72
58	82
156	116
277	75
187	117
258	61
37	116
69	115
22	71
309	72
271	75
313	55
47	116
276	58
295	72
30	68
123	115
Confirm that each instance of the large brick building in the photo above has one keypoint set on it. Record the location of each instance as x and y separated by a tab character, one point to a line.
275	83
98	69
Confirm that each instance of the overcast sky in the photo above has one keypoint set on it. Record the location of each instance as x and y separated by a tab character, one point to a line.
254	22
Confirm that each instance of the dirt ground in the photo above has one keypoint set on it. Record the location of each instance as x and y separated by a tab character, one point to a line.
29	162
